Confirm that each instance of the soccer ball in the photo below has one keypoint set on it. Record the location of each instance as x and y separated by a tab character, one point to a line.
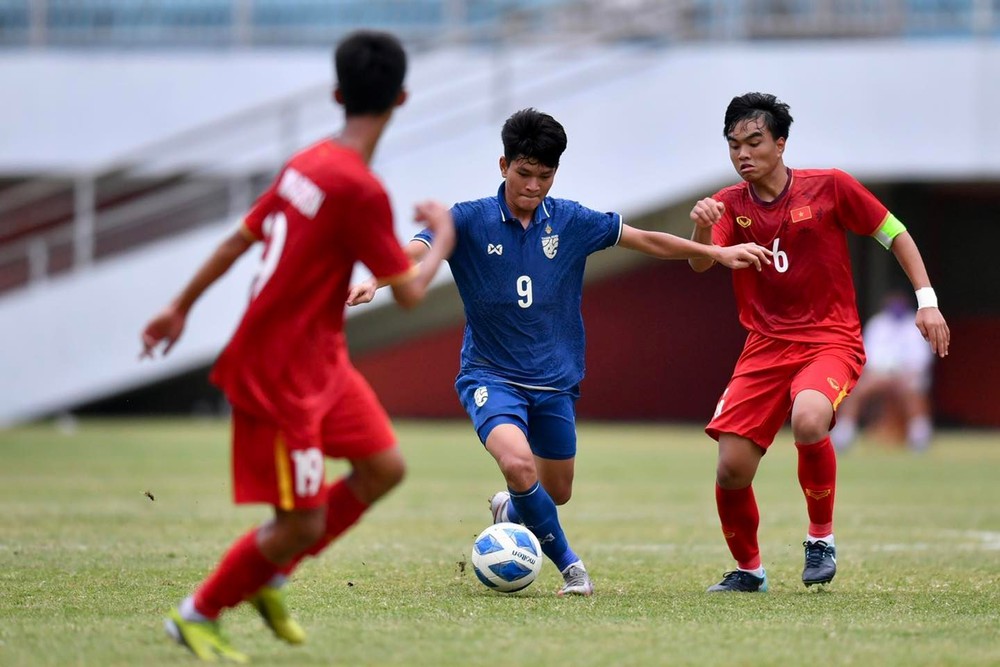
506	557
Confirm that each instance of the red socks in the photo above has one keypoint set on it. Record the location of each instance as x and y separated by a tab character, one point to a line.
818	477
241	573
343	509
740	519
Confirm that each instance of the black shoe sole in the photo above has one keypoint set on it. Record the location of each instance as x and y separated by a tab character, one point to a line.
817	581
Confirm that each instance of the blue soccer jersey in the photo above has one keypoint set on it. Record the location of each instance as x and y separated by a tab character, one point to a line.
522	288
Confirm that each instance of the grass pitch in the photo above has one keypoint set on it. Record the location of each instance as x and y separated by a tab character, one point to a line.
104	528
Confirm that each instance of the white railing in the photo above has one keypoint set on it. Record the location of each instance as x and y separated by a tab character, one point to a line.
214	171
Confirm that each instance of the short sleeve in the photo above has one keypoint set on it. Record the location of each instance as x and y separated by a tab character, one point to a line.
373	239
600	230
858	210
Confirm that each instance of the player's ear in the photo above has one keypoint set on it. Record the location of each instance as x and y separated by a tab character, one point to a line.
780	143
402	97
338	96
503	166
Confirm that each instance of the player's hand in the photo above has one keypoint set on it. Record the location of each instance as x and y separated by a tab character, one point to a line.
361	292
935	330
165	328
707	212
743	256
435	215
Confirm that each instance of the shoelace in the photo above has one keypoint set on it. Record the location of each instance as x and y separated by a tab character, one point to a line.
815	552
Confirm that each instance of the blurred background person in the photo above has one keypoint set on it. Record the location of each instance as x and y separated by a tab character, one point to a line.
893	392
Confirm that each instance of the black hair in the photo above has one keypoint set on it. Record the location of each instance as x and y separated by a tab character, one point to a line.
765	106
370	68
534	136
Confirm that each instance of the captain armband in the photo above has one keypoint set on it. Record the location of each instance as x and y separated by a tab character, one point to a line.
890	229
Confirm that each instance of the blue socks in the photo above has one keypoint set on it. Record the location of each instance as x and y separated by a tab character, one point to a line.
535	509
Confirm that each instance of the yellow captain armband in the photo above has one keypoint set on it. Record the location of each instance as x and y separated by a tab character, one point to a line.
890	229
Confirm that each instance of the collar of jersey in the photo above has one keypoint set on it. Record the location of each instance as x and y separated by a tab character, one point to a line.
541	213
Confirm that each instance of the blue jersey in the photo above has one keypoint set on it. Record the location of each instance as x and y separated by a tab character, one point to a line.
522	288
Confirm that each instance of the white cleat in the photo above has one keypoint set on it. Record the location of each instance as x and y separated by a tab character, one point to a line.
577	581
498	506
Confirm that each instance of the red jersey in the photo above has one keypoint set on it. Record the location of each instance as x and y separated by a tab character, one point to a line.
324	212
807	293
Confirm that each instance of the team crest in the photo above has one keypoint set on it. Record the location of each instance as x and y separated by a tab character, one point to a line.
743	221
549	245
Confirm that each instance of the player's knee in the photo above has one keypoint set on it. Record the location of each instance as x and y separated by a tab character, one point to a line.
376	478
810	426
519	471
560	493
733	475
301	530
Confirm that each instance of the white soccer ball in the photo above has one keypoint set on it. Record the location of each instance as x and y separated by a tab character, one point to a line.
506	557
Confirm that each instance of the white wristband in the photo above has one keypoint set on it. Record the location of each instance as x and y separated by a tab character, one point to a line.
926	298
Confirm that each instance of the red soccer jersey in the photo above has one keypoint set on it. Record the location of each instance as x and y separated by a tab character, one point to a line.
324	212
807	293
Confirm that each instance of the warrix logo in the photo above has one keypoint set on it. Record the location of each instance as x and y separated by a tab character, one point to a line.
549	245
494	249
548	538
481	396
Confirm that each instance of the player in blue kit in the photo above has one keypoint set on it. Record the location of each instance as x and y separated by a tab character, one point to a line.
518	263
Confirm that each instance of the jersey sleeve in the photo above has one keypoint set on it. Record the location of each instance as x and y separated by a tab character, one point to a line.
374	241
722	231
601	230
859	210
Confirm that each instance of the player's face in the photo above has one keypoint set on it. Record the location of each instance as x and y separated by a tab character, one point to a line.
754	152
528	183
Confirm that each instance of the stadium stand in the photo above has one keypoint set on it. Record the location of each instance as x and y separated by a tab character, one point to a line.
470	69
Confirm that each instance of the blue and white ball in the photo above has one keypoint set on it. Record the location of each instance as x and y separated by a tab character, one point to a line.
506	557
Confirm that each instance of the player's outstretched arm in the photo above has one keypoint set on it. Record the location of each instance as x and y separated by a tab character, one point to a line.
668	246
364	291
929	321
167	325
439	221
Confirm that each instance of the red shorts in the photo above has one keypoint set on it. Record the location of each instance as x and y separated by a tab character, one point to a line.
274	465
769	375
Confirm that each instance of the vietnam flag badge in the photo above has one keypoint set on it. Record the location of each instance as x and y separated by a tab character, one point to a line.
800	214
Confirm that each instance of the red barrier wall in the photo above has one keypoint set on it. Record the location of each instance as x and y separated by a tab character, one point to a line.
661	341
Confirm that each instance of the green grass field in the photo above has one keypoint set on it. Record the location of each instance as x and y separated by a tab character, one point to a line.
89	563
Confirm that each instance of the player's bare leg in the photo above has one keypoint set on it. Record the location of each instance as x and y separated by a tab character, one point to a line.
535	507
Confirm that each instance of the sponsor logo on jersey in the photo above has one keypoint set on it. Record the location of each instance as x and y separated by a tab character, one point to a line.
743	221
550	244
833	383
301	193
494	249
818	495
481	396
802	213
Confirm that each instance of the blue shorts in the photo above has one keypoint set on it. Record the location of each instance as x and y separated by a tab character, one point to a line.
547	418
